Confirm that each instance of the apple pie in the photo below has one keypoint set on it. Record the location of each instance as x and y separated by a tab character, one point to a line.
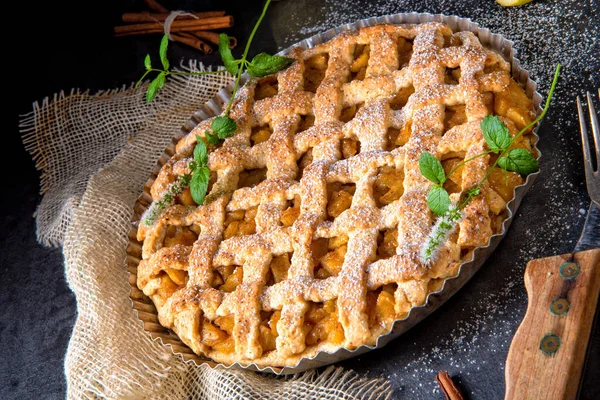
309	238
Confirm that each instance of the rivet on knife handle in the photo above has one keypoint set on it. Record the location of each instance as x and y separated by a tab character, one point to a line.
560	306
546	355
569	270
550	344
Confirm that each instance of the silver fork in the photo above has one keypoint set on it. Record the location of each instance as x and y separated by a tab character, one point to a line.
590	238
592	177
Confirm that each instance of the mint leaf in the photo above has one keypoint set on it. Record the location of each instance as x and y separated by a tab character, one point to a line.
162	51
264	64
495	133
147	62
199	184
151	92
438	200
224	127
200	151
153	87
519	160
431	168
161	78
230	63
211	139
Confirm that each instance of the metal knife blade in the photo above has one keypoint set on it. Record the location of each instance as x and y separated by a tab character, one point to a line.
590	235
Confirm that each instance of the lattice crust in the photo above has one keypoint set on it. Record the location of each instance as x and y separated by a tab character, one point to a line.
309	238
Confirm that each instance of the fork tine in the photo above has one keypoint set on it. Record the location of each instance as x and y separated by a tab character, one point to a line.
595	128
587	157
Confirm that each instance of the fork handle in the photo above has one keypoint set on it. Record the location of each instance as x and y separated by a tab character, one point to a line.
546	356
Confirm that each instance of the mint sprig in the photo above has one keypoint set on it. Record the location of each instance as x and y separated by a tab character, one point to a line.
222	126
259	64
173	190
498	139
159	81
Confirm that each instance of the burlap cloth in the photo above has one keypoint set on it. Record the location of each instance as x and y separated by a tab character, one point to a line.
96	152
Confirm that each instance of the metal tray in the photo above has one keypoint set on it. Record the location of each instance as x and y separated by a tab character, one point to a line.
144	305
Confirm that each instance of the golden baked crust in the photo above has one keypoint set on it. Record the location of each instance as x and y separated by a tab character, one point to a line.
309	238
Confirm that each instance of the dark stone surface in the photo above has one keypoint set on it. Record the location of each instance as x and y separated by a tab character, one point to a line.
70	45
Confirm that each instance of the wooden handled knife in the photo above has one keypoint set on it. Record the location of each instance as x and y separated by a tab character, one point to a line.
547	354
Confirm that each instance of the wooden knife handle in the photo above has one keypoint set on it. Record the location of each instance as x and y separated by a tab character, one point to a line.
547	354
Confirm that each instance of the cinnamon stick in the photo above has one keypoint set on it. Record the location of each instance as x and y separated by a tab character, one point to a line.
213	37
161	17
192	41
448	387
156	6
208	27
177	26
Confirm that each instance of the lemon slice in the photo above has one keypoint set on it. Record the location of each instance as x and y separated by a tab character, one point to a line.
510	3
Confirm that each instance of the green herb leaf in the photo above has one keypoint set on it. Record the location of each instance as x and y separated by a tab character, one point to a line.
230	63
211	138
224	127
199	184
438	200
153	87
431	168
519	160
495	133
161	78
162	51
264	64
147	62
200	151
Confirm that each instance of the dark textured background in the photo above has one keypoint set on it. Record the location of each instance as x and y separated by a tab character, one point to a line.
66	44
